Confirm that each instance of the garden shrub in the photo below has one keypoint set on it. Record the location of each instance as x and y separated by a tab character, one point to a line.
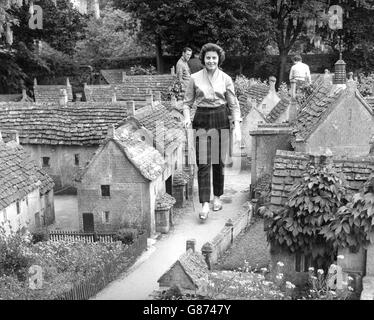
353	226
139	70
174	90
366	84
126	235
39	235
312	204
241	85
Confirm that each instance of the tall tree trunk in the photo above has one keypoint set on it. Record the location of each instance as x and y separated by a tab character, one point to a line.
283	54
159	60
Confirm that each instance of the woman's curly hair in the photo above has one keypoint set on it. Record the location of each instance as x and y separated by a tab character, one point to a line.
212	47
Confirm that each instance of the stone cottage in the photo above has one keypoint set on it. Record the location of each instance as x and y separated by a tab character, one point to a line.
188	273
158	135
118	188
334	118
51	93
337	118
255	104
26	191
287	171
61	137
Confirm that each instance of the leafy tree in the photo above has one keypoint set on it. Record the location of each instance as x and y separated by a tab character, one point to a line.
173	24
112	36
19	61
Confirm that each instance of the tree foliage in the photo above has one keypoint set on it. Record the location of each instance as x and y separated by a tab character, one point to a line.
112	36
173	24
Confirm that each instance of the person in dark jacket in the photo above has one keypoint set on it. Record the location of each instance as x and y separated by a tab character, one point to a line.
195	63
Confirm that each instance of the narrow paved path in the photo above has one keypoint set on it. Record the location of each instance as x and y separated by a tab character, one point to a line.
141	280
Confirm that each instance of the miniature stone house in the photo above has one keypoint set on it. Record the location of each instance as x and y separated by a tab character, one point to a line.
187	272
61	137
180	188
255	105
119	186
336	118
164	212
26	191
287	171
51	93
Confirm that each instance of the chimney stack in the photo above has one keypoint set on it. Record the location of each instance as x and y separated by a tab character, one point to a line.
114	97
340	76
68	82
63	97
158	96
123	76
293	88
172	71
111	130
191	244
272	81
149	99
130	108
35	82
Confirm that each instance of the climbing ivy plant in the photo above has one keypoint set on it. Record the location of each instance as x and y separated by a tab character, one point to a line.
353	226
312	204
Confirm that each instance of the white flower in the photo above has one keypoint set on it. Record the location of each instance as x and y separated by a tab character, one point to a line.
266	283
340	256
333	293
311	269
279	276
264	269
344	283
350	278
290	285
280	263
350	289
320	271
313	277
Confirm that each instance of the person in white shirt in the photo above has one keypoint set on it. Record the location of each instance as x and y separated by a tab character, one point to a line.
300	71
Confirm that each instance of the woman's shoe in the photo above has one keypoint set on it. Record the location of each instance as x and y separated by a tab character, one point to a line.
217	204
203	215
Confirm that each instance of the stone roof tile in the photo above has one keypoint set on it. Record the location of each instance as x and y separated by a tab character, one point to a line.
77	123
19	175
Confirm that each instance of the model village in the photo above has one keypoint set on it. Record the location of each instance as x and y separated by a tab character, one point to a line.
102	177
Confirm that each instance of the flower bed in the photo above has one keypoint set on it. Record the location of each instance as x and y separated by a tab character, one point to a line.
65	265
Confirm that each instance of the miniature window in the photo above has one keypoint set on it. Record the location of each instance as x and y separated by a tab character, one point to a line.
176	165
106	215
46	163
27	200
76	159
5	215
18	207
105	190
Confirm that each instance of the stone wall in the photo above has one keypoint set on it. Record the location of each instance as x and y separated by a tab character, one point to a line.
63	168
129	200
224	239
266	140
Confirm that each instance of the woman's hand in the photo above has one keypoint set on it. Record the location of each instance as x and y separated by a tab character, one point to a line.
187	118
236	138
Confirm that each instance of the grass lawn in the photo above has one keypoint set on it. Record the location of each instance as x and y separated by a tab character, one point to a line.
250	245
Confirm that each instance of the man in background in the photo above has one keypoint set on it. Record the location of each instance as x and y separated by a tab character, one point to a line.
300	71
182	69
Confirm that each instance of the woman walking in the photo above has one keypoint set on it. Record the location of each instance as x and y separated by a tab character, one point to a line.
212	92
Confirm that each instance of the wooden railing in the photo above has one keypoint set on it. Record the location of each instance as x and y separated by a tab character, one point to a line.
62	235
